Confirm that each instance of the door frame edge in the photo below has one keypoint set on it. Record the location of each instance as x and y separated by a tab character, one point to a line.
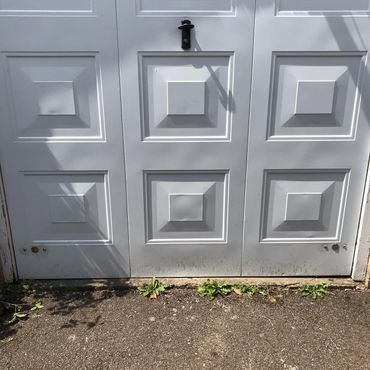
362	246
8	268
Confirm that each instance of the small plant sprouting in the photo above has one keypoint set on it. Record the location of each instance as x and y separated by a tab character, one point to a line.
18	311
250	290
16	314
26	286
212	289
6	340
37	306
153	289
314	291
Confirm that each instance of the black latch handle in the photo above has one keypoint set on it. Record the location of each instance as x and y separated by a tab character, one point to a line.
186	27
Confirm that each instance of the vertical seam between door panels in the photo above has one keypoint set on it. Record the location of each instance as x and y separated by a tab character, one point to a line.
248	135
123	139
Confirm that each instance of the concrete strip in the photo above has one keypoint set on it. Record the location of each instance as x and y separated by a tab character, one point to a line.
101	284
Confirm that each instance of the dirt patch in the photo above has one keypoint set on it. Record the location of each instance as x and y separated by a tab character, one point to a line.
119	329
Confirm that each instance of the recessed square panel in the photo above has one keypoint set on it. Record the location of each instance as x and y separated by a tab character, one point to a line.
67	208
186	97
49	7
185	207
179	7
315	97
322	7
55	97
303	205
71	208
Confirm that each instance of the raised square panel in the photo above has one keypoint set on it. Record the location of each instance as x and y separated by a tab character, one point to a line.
181	7
185	207
324	7
303	206
67	208
185	98
34	7
315	96
55	97
71	208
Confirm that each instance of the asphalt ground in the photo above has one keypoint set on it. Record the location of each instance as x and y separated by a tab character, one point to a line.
120	329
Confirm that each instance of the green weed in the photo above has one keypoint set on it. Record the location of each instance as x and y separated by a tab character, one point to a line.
212	289
17	311
250	290
152	289
314	291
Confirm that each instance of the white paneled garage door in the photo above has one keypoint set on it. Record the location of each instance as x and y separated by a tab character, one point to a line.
123	154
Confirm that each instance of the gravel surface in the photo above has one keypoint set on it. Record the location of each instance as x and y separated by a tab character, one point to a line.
118	329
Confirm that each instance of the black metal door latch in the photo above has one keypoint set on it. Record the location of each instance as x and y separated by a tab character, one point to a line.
186	28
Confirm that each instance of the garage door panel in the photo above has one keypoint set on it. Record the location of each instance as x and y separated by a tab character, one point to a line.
185	137
315	96
79	262
309	152
181	7
306	206
186	98
61	138
55	97
243	155
322	7
47	7
185	206
70	208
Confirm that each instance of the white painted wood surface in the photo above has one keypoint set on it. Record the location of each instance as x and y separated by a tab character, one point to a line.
215	187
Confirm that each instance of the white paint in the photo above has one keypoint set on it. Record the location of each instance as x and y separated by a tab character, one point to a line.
169	115
186	153
322	7
315	97
53	7
185	129
55	98
61	134
182	7
315	152
186	98
186	207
